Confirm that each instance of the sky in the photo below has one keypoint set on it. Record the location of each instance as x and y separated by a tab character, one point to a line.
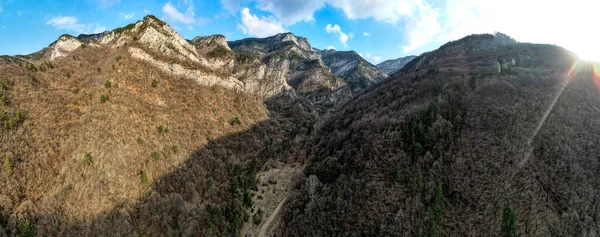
376	29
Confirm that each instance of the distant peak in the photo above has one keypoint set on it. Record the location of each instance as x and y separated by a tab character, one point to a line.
149	19
66	36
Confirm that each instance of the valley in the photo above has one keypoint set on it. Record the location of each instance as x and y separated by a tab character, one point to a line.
140	132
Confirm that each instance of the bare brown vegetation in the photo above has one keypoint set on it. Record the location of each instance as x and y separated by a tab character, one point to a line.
386	166
75	167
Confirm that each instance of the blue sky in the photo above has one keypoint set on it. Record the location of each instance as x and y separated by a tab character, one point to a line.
377	29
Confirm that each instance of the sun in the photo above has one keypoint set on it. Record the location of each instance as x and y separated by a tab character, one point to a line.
589	53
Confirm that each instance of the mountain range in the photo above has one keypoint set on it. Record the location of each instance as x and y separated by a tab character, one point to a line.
140	132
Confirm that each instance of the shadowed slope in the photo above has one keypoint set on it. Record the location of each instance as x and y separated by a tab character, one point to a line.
436	152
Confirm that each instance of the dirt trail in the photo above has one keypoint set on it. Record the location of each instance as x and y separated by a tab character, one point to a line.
265	226
274	187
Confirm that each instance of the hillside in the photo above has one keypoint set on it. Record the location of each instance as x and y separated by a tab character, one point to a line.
138	131
357	72
458	145
393	65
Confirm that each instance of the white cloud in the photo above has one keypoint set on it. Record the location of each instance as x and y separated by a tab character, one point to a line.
377	58
188	17
331	47
72	24
106	3
146	11
1	9
259	26
127	16
368	55
233	6
172	13
421	27
417	17
351	35
337	30
291	11
422	22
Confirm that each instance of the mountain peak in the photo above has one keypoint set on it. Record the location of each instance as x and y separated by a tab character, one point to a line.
149	19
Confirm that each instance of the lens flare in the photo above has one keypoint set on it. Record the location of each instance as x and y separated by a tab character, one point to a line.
596	72
572	73
567	78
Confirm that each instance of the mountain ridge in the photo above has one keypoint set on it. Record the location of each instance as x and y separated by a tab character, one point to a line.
393	65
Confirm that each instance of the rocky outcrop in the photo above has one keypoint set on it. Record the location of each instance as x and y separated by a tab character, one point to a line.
281	64
393	65
203	78
211	40
62	47
290	62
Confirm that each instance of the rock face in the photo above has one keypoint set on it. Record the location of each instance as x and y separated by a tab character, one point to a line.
357	72
287	61
393	65
282	64
62	47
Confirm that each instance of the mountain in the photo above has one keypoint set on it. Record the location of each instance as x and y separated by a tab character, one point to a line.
138	131
357	72
482	136
292	62
393	65
473	50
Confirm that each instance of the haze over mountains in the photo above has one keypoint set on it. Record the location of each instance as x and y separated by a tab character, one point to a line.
140	132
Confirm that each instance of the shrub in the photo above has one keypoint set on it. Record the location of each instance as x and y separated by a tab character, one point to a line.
156	155
246	216
140	140
99	70
144	180
235	121
160	129
257	217
33	79
4	100
8	164
508	222
218	52
107	84
135	37
68	75
175	149
154	83
247	198
104	98
12	120
87	159
437	210
27	230
118	58
398	173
